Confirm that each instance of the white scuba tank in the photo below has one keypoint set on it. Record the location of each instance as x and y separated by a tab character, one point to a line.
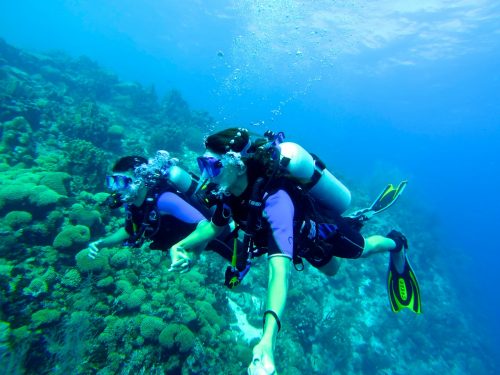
327	189
182	180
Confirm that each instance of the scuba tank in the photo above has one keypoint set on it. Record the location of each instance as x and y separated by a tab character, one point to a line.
198	193
313	175
183	181
163	168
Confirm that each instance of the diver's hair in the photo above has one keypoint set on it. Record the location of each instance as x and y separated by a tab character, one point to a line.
129	163
258	160
231	139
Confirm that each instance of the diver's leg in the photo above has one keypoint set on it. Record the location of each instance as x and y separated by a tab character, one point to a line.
331	268
377	244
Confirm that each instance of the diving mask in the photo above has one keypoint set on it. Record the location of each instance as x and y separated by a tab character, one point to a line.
118	182
210	165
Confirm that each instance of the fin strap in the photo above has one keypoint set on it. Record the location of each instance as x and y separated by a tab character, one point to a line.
275	316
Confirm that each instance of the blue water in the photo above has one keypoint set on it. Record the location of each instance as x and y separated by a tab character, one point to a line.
381	92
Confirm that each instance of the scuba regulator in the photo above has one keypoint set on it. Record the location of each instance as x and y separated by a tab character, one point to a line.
113	201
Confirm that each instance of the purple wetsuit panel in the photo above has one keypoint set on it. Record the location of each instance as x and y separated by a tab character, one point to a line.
171	204
279	211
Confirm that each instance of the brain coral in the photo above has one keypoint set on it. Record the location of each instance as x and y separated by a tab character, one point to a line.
123	286
72	237
18	219
114	331
106	282
207	312
45	317
81	215
57	181
15	194
121	259
185	313
42	197
85	264
135	299
37	286
185	338
71	279
167	335
151	326
177	334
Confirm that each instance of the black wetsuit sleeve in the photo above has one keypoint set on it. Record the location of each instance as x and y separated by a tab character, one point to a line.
222	214
129	224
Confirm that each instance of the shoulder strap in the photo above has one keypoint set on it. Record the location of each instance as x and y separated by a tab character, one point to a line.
137	238
256	201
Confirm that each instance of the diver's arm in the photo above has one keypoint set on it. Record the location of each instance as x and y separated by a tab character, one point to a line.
113	239
263	352
116	238
179	253
279	212
277	290
205	231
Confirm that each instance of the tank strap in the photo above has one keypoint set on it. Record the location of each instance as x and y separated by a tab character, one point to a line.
284	162
255	206
319	167
192	187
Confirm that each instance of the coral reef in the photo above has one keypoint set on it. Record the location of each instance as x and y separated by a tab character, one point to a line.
17	145
71	238
63	121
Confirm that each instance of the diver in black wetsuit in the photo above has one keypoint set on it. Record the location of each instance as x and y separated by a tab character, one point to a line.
160	206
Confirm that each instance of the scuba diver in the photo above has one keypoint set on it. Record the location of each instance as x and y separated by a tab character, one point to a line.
163	204
290	207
